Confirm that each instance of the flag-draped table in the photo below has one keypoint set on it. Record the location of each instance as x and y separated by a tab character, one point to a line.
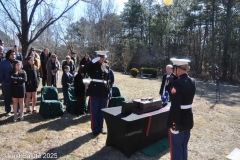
130	133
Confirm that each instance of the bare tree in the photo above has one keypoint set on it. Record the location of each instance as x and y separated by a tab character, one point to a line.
97	15
26	16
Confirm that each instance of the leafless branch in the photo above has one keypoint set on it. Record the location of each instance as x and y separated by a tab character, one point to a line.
10	16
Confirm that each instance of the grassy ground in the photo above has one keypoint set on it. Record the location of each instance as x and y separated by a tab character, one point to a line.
215	133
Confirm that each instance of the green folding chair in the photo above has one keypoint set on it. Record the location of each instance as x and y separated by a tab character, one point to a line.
71	104
50	106
116	99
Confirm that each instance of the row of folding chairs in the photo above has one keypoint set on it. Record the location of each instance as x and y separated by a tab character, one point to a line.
51	106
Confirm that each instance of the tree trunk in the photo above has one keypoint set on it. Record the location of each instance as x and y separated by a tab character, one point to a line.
225	58
25	27
213	34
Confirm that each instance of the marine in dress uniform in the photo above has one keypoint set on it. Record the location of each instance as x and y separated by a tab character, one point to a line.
180	118
98	90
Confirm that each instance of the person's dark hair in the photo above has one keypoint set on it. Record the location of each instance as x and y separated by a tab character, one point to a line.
46	49
66	67
80	70
88	57
14	66
34	67
29	54
8	53
29	57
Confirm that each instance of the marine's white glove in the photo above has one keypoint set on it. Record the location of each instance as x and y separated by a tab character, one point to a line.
95	59
174	132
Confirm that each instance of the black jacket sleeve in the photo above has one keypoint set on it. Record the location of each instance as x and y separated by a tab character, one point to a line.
73	68
21	79
87	67
64	82
79	85
163	83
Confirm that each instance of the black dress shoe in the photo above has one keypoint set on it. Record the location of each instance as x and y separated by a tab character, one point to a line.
103	132
95	133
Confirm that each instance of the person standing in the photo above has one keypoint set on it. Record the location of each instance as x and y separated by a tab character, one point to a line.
85	60
70	63
80	93
5	67
111	79
52	68
33	80
180	118
67	81
98	90
167	80
18	54
1	59
36	54
74	58
18	78
44	57
36	59
2	53
5	50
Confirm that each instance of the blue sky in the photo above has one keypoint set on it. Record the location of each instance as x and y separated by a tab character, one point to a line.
78	11
120	4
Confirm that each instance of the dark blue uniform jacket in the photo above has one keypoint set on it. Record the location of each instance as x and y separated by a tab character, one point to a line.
183	91
100	72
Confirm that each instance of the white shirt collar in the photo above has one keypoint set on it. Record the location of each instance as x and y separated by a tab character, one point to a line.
168	75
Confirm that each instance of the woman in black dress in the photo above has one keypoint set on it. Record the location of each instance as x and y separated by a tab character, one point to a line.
33	79
18	78
79	89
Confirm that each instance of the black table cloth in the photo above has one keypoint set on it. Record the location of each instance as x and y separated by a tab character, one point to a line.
130	133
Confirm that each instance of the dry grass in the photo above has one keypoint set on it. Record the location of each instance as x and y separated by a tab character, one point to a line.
215	134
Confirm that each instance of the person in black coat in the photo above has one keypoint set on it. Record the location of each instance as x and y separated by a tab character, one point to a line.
80	93
74	58
18	78
85	60
167	80
44	57
33	80
67	81
111	79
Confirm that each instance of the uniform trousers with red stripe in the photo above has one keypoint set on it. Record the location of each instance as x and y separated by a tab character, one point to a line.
178	145
96	104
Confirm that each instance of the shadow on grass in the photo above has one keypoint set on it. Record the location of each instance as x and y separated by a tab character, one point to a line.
59	124
109	153
7	120
32	118
2	115
67	148
228	94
